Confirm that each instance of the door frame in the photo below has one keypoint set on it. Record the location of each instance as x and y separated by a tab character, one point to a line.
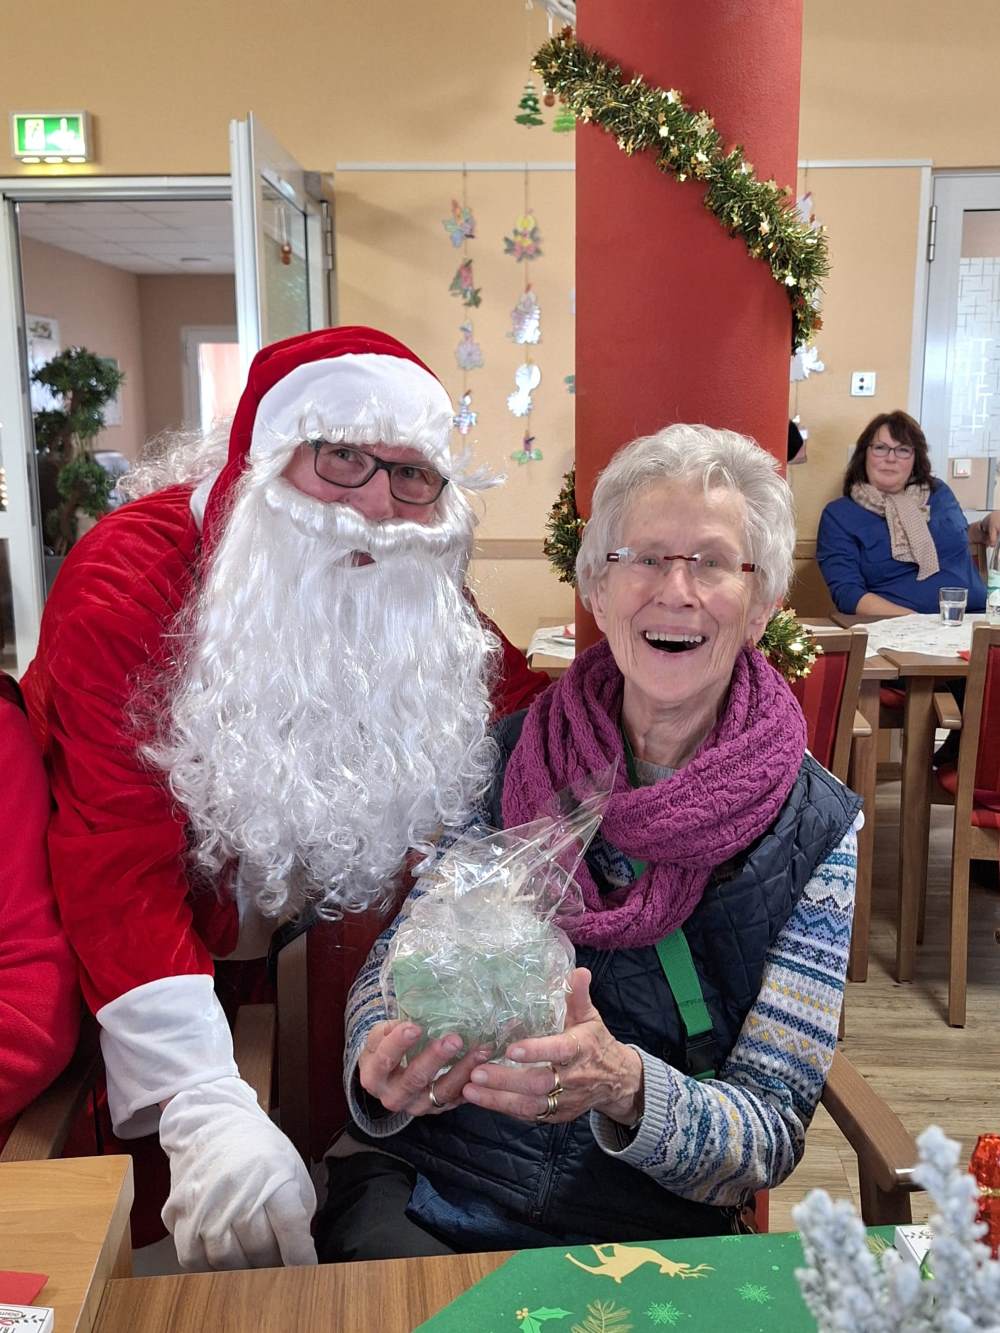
20	524
932	357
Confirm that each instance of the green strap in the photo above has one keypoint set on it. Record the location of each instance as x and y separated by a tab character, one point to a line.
674	954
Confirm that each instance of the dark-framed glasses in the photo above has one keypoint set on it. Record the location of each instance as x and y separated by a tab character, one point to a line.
707	569
344	465
902	451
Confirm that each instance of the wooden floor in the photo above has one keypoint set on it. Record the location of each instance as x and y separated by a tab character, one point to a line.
897	1035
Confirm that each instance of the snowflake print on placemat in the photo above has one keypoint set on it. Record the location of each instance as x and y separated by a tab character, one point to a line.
664	1314
754	1293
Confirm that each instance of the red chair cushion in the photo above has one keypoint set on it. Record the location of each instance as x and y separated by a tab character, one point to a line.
985	803
819	695
891	698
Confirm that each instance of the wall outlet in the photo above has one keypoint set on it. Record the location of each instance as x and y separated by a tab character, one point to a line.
961	467
863	383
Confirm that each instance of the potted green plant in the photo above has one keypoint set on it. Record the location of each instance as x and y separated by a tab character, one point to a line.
70	480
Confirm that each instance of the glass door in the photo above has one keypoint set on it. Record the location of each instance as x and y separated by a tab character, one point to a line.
961	391
22	581
283	245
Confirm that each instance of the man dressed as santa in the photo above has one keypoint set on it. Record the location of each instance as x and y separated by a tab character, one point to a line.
256	690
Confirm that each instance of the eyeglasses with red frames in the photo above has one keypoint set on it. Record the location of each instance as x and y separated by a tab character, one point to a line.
343	465
707	569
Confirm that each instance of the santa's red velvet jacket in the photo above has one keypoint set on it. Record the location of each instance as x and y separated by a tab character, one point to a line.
39	994
117	840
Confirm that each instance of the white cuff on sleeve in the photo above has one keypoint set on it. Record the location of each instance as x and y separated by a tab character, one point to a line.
157	1040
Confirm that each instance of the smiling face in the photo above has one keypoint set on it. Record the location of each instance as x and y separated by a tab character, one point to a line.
675	639
373	500
892	473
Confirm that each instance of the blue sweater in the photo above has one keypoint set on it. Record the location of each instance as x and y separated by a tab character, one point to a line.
855	556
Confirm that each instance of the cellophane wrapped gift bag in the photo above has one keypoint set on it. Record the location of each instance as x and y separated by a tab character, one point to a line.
482	951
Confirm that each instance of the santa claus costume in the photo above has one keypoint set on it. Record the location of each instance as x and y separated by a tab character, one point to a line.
206	697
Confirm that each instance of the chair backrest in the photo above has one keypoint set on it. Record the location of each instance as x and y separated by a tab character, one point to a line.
828	696
315	974
979	750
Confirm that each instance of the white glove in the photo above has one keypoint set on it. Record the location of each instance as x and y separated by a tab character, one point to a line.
240	1195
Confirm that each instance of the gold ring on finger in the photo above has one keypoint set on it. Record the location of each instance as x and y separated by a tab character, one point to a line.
551	1103
579	1051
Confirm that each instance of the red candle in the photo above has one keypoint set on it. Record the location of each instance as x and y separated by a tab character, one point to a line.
985	1166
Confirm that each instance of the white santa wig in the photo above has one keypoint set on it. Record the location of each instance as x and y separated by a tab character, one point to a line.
326	717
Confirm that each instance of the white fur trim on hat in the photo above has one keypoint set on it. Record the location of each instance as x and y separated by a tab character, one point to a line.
359	398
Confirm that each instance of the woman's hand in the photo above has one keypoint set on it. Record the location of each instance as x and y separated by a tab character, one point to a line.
990	527
590	1069
418	1089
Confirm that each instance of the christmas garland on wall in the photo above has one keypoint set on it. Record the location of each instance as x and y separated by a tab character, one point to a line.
786	642
687	144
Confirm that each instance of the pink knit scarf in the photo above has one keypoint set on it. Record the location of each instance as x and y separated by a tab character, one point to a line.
684	826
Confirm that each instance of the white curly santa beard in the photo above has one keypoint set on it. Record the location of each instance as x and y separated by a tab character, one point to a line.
328	717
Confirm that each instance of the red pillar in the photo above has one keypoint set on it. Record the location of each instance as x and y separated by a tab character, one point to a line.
675	321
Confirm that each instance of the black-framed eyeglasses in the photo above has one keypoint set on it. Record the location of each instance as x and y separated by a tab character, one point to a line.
902	451
343	465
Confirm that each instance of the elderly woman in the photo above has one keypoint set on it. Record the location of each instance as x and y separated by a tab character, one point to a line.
897	534
702	1016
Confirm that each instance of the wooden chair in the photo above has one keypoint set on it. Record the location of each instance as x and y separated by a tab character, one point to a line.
885	1150
972	788
828	697
41	1129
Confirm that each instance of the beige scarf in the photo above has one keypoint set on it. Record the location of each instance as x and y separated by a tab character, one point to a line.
907	514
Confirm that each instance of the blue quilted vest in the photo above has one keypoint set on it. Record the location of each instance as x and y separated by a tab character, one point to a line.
555	1178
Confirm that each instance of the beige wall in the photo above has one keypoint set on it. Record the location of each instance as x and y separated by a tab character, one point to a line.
427	82
97	307
168	304
872	218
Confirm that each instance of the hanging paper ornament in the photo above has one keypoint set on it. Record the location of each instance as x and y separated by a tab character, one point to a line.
526	242
463	285
527	378
805	362
526	320
468	353
528	110
527	453
564	120
461	226
570	382
465	418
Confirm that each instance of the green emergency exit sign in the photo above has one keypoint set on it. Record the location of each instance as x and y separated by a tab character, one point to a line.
51	136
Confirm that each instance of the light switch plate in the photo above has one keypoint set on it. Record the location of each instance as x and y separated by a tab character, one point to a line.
961	467
863	383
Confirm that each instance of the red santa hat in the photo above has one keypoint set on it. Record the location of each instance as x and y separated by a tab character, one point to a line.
349	380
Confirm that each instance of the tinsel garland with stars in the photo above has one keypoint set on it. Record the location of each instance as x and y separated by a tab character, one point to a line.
687	144
786	643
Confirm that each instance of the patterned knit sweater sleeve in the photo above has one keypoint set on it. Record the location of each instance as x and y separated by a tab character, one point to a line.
717	1140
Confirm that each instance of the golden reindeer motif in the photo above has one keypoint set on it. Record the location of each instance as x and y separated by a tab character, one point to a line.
625	1259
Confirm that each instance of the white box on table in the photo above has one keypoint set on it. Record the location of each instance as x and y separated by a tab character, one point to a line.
26	1319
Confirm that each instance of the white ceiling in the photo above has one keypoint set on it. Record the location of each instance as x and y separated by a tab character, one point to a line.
154	236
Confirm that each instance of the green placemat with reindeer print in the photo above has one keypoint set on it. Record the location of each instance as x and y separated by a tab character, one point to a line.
743	1284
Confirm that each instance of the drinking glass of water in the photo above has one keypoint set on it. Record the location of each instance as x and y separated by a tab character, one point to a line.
952	602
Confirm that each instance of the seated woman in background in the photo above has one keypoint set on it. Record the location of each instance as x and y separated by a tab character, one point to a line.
722	878
39	999
897	534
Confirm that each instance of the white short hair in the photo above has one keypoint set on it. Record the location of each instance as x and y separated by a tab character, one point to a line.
695	455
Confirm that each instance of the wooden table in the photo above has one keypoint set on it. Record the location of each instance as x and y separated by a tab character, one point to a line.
393	1296
68	1218
921	673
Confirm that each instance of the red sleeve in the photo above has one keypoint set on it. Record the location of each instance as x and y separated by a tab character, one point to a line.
39	996
516	685
117	843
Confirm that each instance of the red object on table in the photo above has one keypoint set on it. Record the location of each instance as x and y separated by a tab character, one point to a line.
985	1167
21	1288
